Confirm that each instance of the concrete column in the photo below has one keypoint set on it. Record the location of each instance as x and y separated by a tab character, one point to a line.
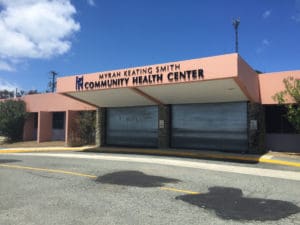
100	127
256	128
44	132
164	126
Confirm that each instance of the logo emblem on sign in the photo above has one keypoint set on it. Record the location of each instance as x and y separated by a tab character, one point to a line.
79	83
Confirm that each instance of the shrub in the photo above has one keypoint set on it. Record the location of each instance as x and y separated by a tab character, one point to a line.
12	119
292	91
83	130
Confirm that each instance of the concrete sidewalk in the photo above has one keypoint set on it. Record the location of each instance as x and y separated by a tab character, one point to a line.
278	158
285	159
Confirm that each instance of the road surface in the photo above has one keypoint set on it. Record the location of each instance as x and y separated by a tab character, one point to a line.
90	188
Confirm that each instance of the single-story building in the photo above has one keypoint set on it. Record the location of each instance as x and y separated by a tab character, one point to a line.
213	103
51	116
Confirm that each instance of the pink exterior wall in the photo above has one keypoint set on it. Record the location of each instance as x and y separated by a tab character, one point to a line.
53	102
248	81
44	105
272	83
44	127
217	67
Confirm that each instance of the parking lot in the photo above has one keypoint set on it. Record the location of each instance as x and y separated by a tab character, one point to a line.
83	188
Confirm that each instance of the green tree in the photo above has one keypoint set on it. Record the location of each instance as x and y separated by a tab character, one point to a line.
291	92
6	94
12	119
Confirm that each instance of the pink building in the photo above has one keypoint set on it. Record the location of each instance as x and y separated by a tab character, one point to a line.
51	116
213	103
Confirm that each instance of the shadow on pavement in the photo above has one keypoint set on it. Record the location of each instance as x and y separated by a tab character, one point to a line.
229	204
2	161
135	179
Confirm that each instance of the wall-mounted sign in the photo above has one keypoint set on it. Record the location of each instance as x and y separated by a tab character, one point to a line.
161	124
144	76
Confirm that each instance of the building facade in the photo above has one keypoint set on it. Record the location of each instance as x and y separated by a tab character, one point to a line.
50	117
214	103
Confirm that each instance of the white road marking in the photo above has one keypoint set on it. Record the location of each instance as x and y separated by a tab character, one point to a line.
288	175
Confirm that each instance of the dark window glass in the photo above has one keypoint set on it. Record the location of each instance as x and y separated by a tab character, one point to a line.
276	121
35	120
58	121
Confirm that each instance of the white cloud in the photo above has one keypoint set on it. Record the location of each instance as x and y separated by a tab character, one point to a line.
35	28
6	66
91	2
266	14
265	43
5	85
296	18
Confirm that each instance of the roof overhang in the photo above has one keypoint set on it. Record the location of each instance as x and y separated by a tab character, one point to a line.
206	80
226	90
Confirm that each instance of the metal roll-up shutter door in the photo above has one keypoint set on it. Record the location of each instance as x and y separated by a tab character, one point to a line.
218	126
132	126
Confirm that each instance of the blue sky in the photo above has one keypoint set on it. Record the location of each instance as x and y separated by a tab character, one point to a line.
84	36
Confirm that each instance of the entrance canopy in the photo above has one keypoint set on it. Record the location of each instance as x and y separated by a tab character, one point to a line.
225	78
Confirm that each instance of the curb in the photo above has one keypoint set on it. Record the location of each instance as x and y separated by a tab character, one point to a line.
43	149
199	155
268	159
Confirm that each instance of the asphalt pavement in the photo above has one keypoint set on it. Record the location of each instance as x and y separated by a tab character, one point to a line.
92	188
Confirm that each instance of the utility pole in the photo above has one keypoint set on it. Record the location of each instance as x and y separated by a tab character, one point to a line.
52	84
236	23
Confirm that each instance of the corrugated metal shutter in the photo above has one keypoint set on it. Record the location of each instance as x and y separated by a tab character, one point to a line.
132	126
218	126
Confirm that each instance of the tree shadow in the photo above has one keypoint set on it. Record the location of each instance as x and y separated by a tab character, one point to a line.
229	203
135	179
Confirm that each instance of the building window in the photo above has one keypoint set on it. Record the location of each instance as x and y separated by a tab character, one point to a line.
58	121
276	121
35	120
